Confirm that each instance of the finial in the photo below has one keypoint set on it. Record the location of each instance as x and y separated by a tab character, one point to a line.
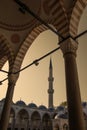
50	63
20	98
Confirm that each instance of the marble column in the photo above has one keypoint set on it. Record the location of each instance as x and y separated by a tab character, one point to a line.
76	120
7	104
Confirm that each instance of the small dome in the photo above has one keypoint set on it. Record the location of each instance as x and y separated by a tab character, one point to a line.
32	105
84	104
60	108
3	100
42	107
51	109
20	103
63	115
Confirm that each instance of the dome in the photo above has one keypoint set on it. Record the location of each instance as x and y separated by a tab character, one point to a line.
32	105
63	115
3	100
51	109
60	108
42	107
20	103
84	104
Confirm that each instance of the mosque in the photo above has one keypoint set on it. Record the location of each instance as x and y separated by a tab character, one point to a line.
33	117
21	22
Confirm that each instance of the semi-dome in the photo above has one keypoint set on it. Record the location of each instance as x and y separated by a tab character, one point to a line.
84	104
62	115
32	105
3	100
42	107
20	103
60	108
51	109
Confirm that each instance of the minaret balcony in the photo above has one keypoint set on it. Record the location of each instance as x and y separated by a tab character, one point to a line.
50	91
50	79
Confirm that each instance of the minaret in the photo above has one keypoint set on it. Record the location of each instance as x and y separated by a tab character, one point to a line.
50	89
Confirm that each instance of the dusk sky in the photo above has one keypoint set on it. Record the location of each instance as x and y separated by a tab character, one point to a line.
33	83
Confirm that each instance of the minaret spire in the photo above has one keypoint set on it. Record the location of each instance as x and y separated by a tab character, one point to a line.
50	89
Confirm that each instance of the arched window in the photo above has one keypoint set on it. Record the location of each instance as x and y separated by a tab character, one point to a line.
36	119
23	119
46	121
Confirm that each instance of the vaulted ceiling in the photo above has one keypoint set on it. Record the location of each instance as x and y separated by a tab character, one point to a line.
18	28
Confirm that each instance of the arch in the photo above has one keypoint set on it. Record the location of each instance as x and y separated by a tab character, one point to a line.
4	66
22	119
58	22
58	17
76	15
35	120
26	45
46	122
3	61
7	54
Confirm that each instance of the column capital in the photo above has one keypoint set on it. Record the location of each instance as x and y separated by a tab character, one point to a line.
69	46
50	91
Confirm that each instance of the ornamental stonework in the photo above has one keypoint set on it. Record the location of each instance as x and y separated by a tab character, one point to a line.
69	46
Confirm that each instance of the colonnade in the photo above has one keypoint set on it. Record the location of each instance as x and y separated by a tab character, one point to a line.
29	125
76	121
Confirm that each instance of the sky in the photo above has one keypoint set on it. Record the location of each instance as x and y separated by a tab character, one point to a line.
33	82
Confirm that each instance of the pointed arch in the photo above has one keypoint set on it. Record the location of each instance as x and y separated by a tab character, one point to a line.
47	122
23	113
76	15
26	45
58	17
35	120
22	118
3	61
7	54
36	114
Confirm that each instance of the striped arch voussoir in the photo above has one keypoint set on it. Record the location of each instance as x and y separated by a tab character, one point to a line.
25	46
76	15
58	17
2	61
7	53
